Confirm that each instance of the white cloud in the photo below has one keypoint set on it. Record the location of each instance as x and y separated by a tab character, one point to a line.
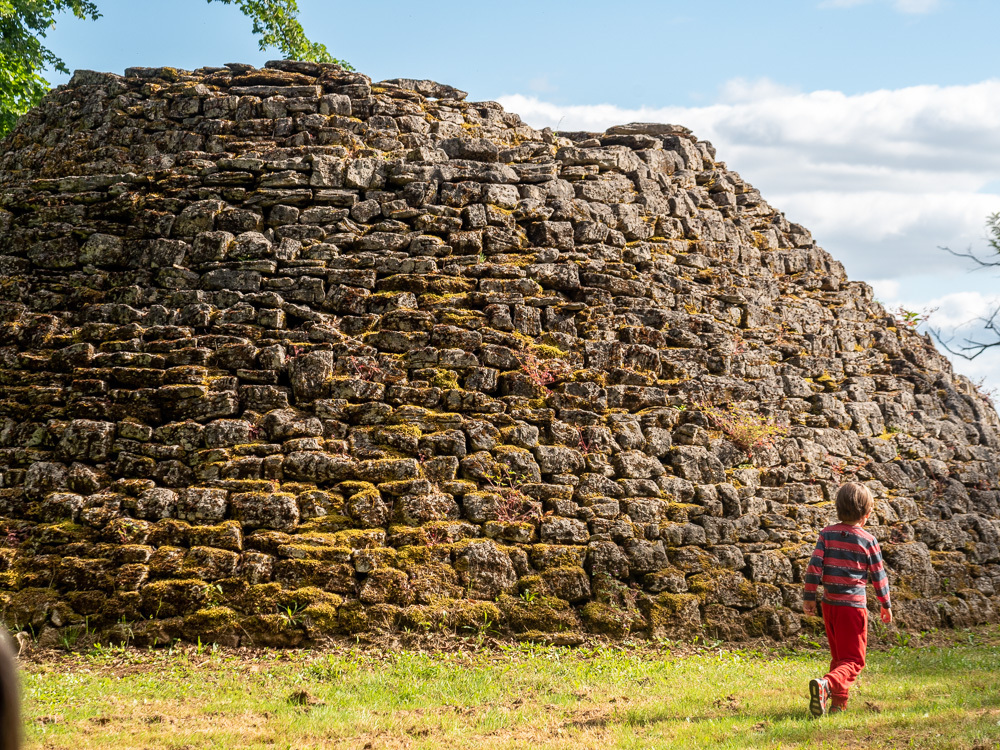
885	289
903	6
963	311
748	90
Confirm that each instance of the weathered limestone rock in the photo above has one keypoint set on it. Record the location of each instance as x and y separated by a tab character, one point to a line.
288	337
485	570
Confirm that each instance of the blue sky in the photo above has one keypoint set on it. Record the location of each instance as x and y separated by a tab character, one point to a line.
875	123
640	53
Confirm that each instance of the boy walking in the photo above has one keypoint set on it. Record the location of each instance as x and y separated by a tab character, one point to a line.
846	556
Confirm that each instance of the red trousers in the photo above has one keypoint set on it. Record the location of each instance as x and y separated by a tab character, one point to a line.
847	631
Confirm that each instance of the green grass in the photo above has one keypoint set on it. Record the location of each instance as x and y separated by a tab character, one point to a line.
664	695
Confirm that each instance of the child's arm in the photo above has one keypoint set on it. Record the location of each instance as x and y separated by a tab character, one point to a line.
814	576
879	579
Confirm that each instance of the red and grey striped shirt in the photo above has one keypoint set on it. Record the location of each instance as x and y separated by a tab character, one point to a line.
845	558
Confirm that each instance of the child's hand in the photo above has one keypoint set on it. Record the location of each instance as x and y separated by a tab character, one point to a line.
886	615
809	608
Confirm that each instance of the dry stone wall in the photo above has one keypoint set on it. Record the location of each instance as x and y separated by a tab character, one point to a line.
286	353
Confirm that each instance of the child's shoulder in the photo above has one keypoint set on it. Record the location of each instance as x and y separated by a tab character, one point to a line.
847	530
834	528
867	536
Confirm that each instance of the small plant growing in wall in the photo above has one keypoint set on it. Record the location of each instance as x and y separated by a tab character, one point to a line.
364	368
910	319
213	594
985	394
12	538
543	372
436	536
745	428
515	505
292	613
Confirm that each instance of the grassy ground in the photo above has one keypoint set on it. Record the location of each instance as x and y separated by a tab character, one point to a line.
928	692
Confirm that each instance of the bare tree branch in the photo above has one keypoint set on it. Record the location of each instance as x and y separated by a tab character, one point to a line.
972	348
972	256
993	240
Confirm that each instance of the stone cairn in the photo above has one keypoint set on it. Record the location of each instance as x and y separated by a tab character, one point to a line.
286	354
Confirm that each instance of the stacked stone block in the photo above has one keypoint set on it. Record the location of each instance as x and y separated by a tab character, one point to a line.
285	353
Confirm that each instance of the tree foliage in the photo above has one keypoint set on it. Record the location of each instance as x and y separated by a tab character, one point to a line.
23	25
971	348
23	56
276	24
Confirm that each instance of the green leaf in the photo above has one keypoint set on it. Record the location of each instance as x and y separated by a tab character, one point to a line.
23	57
276	24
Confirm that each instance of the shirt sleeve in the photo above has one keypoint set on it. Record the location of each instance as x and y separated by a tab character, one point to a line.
814	573
877	574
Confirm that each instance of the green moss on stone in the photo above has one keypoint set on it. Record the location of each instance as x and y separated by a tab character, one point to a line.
271	630
474	616
211	620
331	523
306	596
359	538
352	618
546	614
321	619
606	619
63	532
260	598
547	352
672	614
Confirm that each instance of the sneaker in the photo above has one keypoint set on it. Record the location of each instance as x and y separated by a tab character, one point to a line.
837	708
819	695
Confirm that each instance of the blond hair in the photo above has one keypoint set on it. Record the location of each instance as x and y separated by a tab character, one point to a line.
854	502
